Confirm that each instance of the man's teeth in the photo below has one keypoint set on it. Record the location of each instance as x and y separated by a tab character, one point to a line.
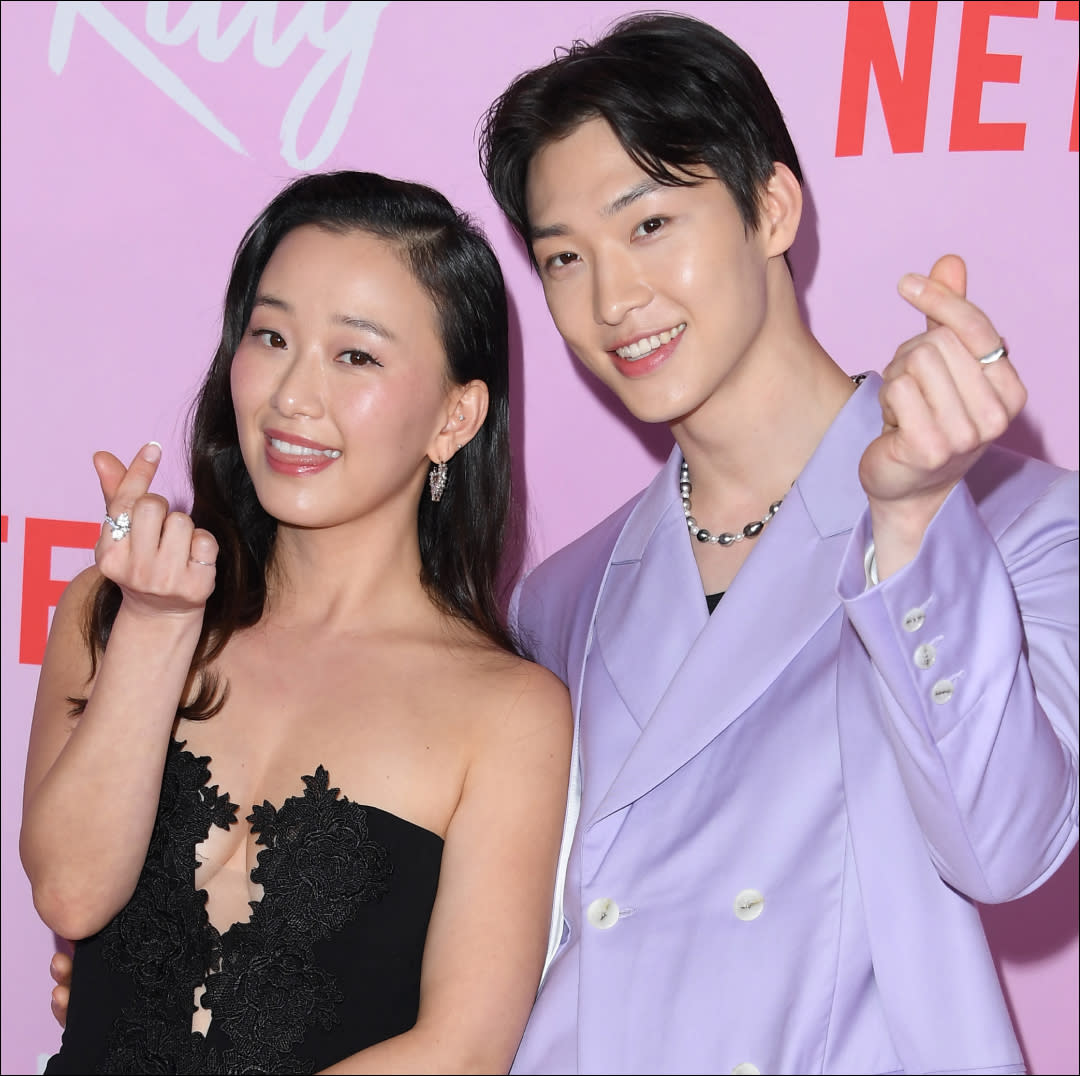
646	346
302	450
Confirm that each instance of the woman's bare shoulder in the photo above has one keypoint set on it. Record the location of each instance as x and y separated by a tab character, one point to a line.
517	695
506	670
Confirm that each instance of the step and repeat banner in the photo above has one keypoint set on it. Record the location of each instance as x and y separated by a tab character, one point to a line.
140	139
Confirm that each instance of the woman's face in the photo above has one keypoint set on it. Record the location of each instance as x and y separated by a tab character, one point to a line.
339	384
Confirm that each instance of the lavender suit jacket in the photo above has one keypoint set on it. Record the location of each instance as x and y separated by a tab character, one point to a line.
781	816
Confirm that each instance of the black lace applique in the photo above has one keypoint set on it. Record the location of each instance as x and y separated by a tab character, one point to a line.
318	861
263	986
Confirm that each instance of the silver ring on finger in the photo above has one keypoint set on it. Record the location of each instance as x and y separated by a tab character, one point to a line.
204	563
995	356
121	526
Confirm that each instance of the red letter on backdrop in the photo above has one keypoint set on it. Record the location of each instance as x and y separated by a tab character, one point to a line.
904	98
40	592
1069	11
975	67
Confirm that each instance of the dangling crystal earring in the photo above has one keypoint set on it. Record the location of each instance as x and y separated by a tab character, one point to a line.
437	480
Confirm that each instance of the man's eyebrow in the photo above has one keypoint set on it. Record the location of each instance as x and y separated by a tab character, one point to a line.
349	320
616	205
550	231
627	198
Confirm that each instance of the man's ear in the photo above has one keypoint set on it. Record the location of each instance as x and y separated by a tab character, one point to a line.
467	407
781	210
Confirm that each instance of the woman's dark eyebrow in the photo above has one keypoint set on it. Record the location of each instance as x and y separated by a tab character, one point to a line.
350	320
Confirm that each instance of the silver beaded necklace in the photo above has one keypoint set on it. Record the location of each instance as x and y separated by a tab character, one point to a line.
751	530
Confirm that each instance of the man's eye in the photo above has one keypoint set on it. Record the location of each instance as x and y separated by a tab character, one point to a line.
560	261
647	227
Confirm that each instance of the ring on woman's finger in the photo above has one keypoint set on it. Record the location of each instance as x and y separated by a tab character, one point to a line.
204	563
121	526
998	353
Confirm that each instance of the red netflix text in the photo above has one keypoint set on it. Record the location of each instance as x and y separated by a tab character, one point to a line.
904	88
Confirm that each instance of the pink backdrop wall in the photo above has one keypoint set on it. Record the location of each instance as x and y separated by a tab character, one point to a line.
139	140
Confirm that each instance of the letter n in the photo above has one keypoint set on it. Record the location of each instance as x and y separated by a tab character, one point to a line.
904	97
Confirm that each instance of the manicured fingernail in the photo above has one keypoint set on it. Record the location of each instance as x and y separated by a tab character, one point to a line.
912	285
151	452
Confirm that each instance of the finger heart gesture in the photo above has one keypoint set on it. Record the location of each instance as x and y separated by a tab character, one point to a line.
947	394
158	558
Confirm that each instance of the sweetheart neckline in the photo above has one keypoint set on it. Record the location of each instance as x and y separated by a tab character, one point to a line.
205	760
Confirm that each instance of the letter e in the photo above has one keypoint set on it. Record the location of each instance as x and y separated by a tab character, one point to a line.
975	67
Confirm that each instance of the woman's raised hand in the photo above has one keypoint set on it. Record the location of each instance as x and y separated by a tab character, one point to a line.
160	560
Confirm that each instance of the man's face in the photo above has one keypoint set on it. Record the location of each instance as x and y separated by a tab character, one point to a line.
658	290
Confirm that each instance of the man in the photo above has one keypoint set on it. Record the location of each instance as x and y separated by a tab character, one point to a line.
825	664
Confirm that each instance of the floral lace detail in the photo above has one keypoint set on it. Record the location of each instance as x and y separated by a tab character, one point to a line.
263	985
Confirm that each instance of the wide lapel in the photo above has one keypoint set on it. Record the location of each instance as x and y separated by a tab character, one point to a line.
712	672
652	608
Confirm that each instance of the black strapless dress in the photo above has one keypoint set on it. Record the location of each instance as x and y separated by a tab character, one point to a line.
328	963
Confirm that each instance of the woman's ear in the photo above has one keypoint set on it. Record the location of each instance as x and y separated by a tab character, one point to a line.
781	210
467	407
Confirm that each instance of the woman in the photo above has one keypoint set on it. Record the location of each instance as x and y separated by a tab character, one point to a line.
319	638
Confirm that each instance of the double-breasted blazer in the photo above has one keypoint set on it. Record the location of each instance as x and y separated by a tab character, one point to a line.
782	816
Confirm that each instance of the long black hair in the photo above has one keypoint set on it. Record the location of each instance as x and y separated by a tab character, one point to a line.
676	92
462	536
